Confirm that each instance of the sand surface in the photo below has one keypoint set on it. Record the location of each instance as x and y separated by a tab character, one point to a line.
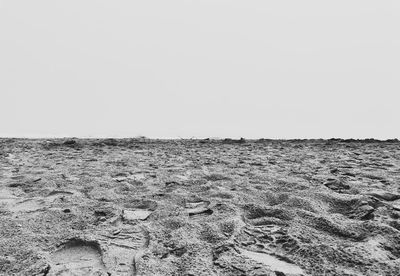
199	207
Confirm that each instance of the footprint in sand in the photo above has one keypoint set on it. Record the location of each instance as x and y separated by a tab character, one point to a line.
78	257
125	246
116	252
16	204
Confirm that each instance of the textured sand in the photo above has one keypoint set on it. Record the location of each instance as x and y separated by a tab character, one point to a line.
199	207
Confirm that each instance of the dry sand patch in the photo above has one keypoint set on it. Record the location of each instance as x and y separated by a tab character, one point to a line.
190	207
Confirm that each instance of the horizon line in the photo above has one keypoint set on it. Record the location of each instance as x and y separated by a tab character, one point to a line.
185	138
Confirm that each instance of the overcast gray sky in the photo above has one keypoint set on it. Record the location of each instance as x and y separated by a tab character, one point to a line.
204	68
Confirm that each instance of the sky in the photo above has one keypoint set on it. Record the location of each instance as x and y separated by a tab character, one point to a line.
196	69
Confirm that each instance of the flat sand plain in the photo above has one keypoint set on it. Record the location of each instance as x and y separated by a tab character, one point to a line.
199	207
